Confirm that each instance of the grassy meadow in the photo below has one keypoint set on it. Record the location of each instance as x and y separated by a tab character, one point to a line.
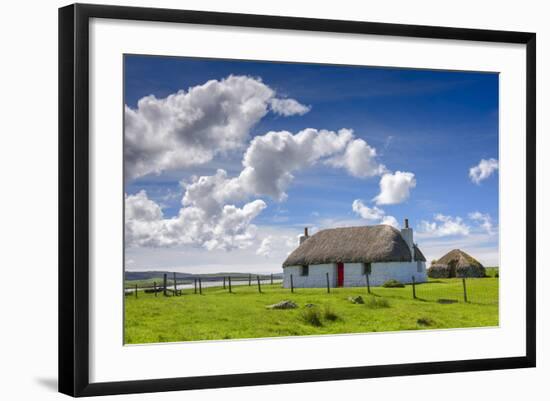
218	314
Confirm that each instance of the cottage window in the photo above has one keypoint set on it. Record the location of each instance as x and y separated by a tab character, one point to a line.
419	267
305	270
366	268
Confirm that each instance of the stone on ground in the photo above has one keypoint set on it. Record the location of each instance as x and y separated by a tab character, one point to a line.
356	300
283	305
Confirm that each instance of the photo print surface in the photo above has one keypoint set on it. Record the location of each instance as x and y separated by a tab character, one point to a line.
270	199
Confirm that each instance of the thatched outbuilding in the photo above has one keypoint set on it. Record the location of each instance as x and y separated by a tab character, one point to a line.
456	263
438	270
346	255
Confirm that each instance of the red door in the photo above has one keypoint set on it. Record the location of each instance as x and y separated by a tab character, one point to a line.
340	274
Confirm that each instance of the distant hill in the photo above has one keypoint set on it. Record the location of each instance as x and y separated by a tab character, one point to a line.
148	275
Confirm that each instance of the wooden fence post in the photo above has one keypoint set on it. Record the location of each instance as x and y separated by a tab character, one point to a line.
291	284
328	284
464	286
224	282
195	284
165	280
271	278
368	283
200	286
229	277
259	285
175	285
136	290
414	287
155	287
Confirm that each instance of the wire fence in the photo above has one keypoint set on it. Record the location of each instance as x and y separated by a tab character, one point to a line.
473	290
482	291
470	290
172	285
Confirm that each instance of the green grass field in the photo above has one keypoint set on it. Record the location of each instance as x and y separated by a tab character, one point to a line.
217	314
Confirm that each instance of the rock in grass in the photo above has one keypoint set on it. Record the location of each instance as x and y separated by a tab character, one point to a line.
356	300
309	306
393	284
283	305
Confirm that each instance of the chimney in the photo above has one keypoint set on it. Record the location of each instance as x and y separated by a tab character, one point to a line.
407	234
304	237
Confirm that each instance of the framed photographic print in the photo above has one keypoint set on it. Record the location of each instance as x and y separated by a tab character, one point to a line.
346	199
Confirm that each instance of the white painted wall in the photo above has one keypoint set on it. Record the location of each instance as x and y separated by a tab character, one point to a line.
353	274
317	277
401	271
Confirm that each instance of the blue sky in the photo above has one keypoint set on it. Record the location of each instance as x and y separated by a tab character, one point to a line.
435	125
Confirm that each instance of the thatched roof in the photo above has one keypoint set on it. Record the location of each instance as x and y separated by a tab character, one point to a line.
366	244
462	259
439	271
418	255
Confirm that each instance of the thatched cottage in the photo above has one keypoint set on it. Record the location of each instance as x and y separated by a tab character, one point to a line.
348	254
456	263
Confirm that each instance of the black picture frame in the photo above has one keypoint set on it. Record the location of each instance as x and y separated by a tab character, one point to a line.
74	198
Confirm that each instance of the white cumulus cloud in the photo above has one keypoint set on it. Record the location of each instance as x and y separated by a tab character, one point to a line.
273	246
228	228
368	213
269	164
211	193
265	247
271	159
288	107
484	220
373	215
443	226
390	221
483	170
395	188
140	208
190	127
359	159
